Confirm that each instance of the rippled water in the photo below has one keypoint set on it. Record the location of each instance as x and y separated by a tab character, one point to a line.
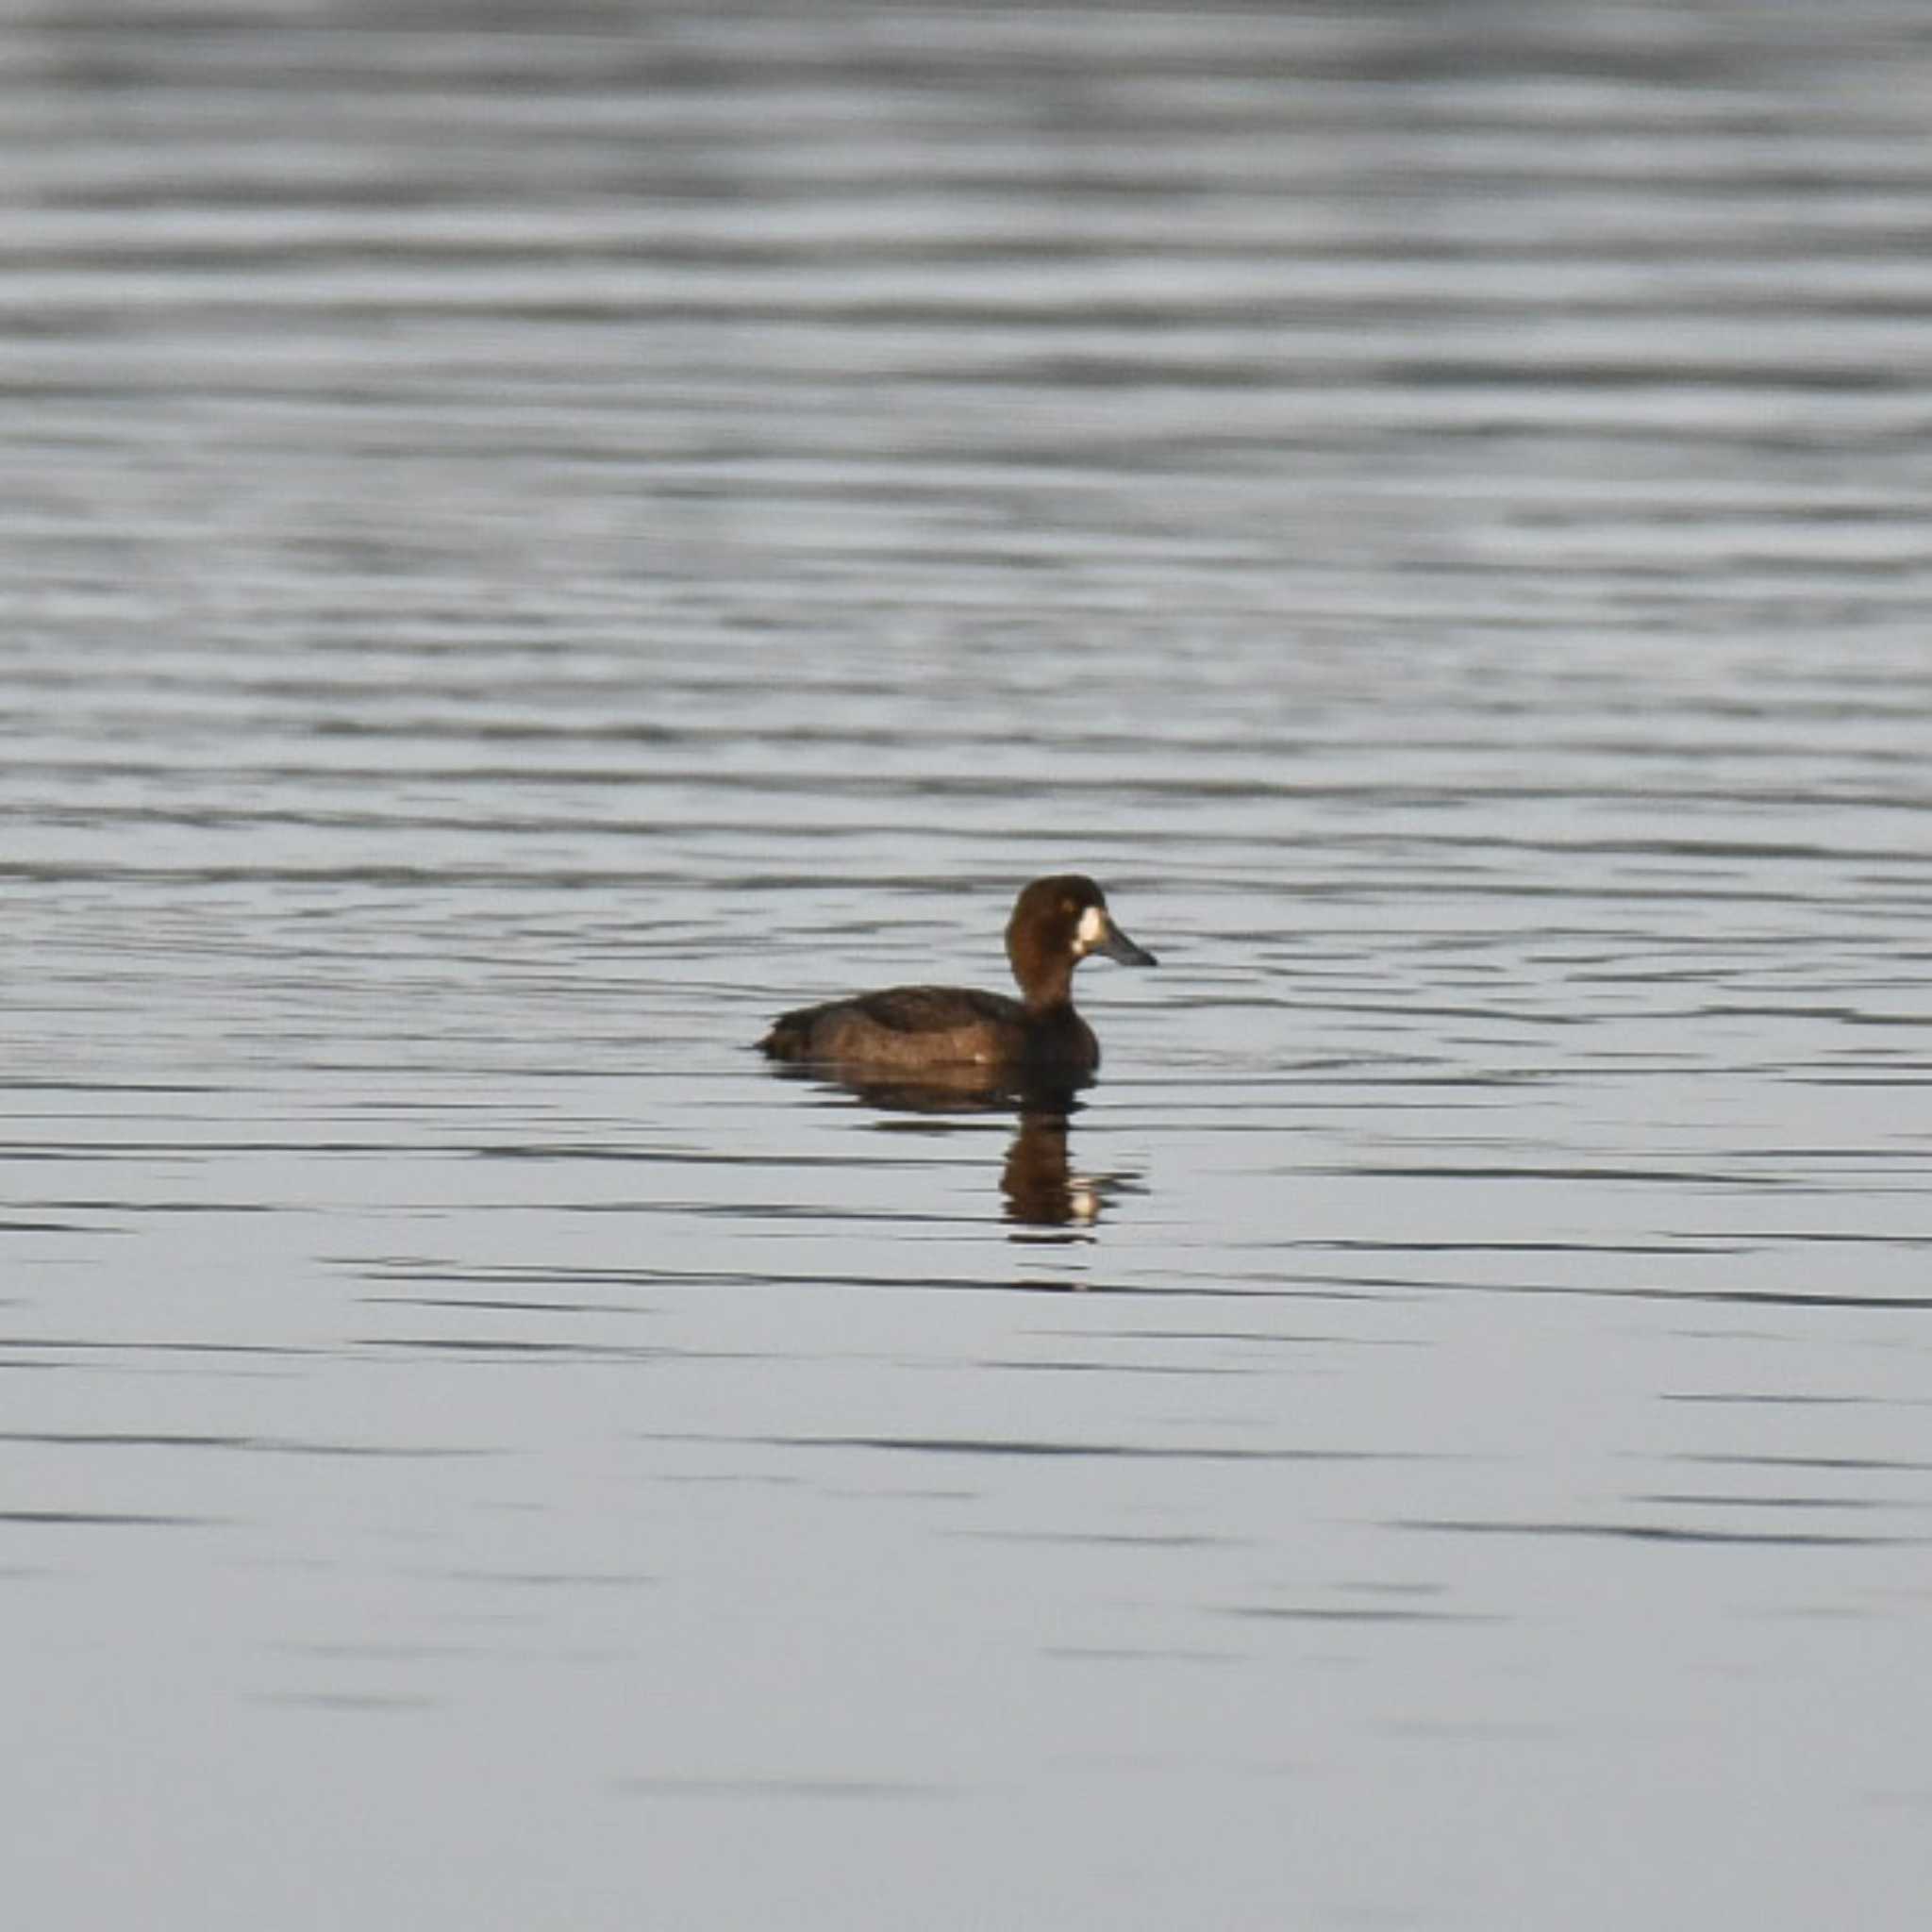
534	540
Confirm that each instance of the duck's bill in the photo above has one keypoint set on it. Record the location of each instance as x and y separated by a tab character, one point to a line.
1117	945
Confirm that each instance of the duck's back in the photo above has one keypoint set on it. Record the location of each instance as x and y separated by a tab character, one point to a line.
905	1026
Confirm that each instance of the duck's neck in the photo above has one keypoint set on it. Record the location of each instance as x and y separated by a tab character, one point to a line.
1046	986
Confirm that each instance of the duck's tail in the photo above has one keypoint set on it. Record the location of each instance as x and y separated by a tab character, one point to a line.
786	1040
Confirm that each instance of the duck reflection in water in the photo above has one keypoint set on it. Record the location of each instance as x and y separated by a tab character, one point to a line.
951	1050
1038	1180
1041	1187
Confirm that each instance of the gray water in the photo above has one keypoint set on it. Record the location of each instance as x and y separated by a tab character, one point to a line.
533	538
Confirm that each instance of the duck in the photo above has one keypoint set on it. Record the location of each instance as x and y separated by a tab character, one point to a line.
944	1033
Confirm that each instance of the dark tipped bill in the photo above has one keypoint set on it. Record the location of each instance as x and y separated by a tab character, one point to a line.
1117	945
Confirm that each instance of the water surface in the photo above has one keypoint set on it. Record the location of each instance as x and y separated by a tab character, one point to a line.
535	540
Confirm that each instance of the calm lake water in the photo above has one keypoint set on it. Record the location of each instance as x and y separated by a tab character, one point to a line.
536	537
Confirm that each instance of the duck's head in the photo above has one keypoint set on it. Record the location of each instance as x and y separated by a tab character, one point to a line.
1057	922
